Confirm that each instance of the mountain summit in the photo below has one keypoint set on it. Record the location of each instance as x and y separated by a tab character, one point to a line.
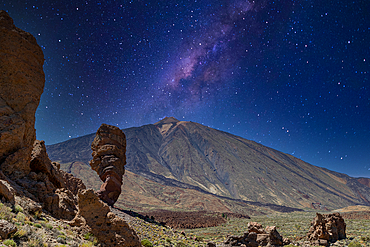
167	120
189	155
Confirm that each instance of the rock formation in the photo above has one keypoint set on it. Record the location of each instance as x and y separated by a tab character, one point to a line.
96	216
257	236
26	170
109	159
47	184
326	228
27	176
21	85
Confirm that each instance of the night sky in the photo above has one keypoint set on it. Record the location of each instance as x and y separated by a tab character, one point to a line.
291	75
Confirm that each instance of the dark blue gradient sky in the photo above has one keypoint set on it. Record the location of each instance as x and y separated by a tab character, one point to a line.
292	75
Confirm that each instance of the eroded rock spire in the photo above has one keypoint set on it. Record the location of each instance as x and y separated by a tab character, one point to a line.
109	159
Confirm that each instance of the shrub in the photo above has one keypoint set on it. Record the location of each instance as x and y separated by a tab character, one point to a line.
18	209
181	244
21	217
146	243
20	234
62	237
35	242
37	225
88	235
47	225
5	212
9	242
354	244
89	244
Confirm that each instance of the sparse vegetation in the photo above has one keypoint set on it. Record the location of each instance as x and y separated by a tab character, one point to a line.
18	209
87	236
181	244
38	225
146	243
354	244
5	212
21	217
9	242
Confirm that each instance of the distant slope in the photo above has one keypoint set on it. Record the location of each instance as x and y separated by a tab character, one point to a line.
192	156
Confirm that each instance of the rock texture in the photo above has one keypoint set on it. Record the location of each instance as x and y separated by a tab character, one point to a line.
326	229
109	159
257	236
109	229
6	228
47	186
21	85
26	170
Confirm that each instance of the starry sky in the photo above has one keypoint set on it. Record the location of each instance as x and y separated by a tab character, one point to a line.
289	74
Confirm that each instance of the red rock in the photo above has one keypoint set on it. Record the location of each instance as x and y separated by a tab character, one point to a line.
326	228
109	159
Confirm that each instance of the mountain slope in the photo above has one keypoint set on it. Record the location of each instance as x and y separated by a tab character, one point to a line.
190	155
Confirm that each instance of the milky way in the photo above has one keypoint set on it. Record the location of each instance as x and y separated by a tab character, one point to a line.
292	75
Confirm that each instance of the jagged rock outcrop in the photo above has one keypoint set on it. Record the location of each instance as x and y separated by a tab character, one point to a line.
258	236
109	229
47	185
21	84
326	229
109	159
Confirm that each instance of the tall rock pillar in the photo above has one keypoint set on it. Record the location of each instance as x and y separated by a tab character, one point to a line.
22	82
109	159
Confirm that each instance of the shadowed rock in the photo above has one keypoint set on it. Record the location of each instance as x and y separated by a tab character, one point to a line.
109	159
21	85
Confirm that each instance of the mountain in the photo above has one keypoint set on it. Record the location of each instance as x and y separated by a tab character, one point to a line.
190	156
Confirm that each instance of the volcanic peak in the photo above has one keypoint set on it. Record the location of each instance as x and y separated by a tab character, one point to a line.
167	124
167	120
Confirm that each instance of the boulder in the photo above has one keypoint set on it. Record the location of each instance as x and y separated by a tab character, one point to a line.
6	228
6	191
21	85
248	239
109	229
257	236
255	227
326	228
109	159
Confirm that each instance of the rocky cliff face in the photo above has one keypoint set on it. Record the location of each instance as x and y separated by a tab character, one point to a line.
22	82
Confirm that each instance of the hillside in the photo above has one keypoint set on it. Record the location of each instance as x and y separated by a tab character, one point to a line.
188	155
